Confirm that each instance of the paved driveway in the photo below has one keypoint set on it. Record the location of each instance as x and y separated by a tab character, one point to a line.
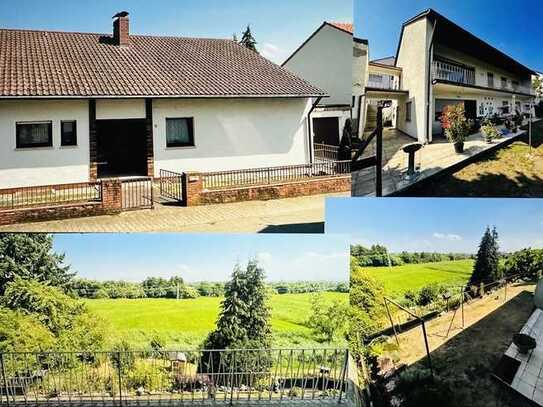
291	215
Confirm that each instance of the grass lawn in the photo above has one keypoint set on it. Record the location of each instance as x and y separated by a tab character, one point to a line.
185	323
397	280
508	172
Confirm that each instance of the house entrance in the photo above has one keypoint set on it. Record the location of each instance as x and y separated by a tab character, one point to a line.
121	147
326	130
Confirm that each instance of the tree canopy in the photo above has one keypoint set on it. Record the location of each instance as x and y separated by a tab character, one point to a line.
31	256
248	40
486	264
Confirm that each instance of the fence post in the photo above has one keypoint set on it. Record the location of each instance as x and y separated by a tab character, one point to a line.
232	379
392	322
119	377
343	376
5	379
379	154
427	349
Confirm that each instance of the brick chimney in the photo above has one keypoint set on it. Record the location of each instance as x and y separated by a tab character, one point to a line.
121	29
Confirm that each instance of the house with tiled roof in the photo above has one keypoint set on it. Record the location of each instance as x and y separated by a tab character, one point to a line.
325	59
75	107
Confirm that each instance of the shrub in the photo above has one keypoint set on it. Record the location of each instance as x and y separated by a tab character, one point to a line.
189	292
455	123
23	333
430	293
147	374
122	356
327	321
490	131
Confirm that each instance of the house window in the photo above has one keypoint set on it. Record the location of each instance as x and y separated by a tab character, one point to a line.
490	77
180	132
408	111
68	133
34	134
515	84
505	107
504	83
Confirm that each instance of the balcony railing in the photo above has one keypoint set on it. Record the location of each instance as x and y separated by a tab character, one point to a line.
453	73
385	82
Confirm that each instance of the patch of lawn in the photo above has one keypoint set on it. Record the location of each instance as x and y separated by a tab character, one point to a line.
185	323
507	172
399	279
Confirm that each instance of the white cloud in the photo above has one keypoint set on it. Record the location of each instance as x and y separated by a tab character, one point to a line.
264	257
448	236
272	52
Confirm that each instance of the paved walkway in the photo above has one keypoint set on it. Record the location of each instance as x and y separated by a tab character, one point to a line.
290	215
430	160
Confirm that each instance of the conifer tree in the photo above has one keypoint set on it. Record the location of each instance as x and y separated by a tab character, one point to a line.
486	263
247	39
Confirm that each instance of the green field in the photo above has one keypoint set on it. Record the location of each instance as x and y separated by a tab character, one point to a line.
399	279
185	323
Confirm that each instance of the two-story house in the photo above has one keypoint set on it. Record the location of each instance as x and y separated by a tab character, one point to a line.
325	60
437	64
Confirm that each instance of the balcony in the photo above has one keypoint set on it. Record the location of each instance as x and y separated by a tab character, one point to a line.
386	82
446	71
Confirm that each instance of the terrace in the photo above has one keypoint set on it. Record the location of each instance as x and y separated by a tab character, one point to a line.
433	160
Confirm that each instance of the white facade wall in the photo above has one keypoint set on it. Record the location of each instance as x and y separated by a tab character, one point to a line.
233	134
326	62
482	68
120	109
360	79
228	133
43	165
413	58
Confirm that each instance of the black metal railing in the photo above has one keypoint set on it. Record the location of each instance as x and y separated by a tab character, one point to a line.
273	175
171	185
137	193
188	376
325	152
50	195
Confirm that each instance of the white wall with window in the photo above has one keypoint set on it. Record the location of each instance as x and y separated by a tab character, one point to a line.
225	134
43	142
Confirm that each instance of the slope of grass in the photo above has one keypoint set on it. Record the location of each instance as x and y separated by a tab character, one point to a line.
185	323
397	280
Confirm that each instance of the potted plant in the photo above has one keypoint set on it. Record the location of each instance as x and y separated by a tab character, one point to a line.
456	125
524	343
490	131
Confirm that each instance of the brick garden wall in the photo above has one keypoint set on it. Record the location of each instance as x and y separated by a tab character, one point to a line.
197	195
111	204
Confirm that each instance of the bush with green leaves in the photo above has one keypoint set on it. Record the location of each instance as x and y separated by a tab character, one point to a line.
327	321
430	293
527	263
148	374
21	332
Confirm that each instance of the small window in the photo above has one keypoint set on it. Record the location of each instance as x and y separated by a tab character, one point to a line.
515	84
68	133
34	134
408	111
504	82
490	76
180	132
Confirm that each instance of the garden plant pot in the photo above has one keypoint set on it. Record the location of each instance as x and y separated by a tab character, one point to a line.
524	343
459	147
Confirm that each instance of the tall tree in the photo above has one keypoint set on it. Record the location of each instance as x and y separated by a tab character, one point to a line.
31	256
243	323
486	263
247	39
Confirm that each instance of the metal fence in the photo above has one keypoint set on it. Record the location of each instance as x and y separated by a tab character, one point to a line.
171	186
326	152
137	193
50	195
174	377
272	175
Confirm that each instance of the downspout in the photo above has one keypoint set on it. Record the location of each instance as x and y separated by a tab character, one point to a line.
309	128
429	84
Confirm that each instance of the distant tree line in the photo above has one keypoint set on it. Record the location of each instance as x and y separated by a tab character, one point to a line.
379	256
175	287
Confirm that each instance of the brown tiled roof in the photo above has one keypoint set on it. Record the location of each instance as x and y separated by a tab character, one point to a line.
343	26
61	64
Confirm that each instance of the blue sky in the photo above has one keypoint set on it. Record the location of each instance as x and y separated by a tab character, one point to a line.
440	225
512	26
210	257
279	26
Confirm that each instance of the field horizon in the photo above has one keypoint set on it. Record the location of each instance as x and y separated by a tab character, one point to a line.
186	322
